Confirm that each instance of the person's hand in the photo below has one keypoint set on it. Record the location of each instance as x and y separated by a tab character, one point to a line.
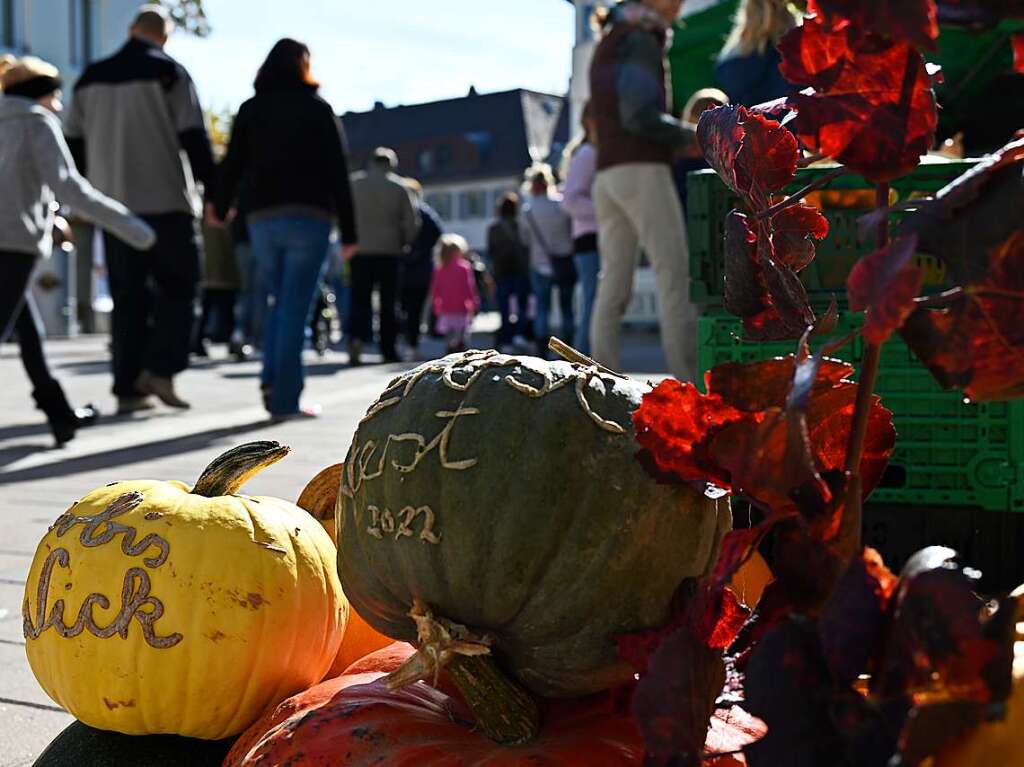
63	237
211	218
347	251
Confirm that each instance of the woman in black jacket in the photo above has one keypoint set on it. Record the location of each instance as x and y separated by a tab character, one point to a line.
288	147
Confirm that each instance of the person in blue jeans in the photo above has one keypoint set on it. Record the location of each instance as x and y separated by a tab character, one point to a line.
548	233
288	149
510	264
579	167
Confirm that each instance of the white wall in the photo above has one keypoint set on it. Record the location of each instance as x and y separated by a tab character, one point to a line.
474	229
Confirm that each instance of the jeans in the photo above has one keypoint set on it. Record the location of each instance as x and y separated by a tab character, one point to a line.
370	270
291	252
415	288
251	302
542	285
153	292
587	267
517	285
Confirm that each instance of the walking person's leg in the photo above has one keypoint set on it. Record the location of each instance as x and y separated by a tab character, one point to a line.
387	280
522	290
18	269
566	294
619	256
542	290
360	322
303	244
414	298
659	218
503	289
128	275
587	266
175	270
268	259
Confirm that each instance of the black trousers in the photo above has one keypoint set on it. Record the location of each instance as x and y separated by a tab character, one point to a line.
370	271
415	287
153	294
19	319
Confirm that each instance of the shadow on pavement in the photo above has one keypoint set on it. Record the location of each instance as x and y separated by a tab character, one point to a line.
120	456
17	452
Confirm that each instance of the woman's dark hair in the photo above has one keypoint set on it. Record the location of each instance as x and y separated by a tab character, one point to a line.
286	68
508	205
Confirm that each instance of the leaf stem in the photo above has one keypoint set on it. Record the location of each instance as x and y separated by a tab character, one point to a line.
795	198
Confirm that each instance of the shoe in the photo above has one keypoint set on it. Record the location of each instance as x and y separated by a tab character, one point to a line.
355	350
304	411
86	415
240	350
390	357
162	389
129	405
200	350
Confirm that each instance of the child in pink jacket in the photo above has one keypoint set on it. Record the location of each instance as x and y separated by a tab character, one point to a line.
453	292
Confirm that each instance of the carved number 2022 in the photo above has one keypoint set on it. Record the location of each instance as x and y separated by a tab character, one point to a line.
383	522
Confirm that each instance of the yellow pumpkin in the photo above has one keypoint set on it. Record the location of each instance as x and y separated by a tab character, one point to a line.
999	743
319	498
150	608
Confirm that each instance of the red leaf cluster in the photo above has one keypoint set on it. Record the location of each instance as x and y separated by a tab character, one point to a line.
912	20
870	103
756	157
886	283
974	339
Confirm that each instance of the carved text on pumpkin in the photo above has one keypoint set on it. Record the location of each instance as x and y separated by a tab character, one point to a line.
136	601
383	522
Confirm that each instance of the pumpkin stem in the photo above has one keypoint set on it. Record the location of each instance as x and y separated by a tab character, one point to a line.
321	494
228	472
569	354
505	712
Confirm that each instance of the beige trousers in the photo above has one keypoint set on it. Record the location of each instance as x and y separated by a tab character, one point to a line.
638	207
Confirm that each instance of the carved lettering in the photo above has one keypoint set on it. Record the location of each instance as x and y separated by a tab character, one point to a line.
136	601
383	522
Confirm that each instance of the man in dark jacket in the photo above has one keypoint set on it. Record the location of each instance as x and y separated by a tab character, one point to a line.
131	116
637	205
418	267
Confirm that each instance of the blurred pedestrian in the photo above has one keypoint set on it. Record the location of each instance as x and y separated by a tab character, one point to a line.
132	117
418	268
579	166
548	232
388	223
220	284
510	261
454	293
38	171
634	194
748	66
691	157
251	300
288	150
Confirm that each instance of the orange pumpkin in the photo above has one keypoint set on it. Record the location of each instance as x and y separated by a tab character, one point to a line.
318	498
354	720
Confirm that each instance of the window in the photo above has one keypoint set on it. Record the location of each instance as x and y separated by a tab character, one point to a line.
81	31
441	202
6	23
473	204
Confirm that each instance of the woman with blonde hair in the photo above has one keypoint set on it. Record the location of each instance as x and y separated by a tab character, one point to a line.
748	66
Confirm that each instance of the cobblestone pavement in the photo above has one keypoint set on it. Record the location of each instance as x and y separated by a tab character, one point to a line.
38	482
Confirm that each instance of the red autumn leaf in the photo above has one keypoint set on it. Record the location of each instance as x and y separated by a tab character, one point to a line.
1018	51
720	136
766	159
911	20
975	341
885	283
872	107
793	231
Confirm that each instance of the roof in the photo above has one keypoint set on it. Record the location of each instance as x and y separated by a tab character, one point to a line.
475	136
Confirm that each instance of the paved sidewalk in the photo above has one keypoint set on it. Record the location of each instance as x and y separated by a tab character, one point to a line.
37	482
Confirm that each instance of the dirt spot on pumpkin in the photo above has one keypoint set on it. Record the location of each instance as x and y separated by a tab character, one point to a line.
153	515
215	636
114	704
255	600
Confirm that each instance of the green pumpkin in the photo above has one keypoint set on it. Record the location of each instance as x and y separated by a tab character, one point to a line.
84	746
504	493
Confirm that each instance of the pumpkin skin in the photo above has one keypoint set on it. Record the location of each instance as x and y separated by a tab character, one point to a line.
522	517
355	720
84	746
319	498
243	609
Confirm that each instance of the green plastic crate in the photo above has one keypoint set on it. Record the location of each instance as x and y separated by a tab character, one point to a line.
948	452
709	201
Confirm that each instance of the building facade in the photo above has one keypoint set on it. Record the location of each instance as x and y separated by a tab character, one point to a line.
67	33
466	152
